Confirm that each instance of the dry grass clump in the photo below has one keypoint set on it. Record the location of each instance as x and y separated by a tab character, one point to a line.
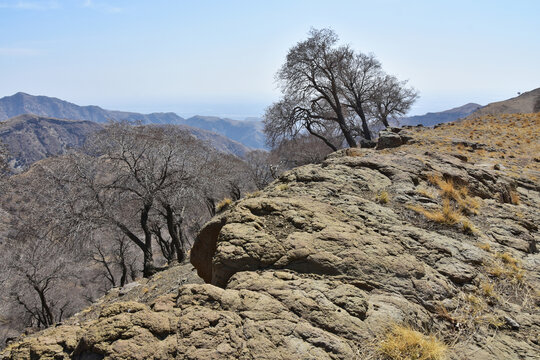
505	266
487	290
468	227
224	204
355	152
445	215
403	342
456	204
484	246
253	194
460	194
473	311
514	197
426	192
383	197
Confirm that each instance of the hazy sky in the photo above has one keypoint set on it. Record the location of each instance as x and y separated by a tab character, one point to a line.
220	57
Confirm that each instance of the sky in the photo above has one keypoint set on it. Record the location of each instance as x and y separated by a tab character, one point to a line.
219	57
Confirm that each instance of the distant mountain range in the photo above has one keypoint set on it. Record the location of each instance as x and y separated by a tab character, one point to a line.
248	133
434	118
30	138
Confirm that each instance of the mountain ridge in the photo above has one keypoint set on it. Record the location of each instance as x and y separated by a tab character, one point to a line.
434	118
248	133
31	137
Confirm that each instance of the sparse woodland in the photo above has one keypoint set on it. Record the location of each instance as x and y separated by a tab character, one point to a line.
125	205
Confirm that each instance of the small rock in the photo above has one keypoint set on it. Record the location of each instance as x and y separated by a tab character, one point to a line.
388	139
127	288
511	322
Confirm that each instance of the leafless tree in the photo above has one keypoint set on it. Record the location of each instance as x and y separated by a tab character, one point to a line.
330	92
116	258
391	99
139	180
261	169
39	251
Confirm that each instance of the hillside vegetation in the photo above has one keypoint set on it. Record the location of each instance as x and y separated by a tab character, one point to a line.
427	250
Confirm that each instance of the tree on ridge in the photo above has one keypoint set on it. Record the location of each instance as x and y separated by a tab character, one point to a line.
333	93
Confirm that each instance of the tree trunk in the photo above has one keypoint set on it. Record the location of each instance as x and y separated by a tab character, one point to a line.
123	279
45	309
365	127
328	143
346	132
149	268
175	233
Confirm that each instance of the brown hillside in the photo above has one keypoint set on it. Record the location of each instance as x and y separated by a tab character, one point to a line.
528	102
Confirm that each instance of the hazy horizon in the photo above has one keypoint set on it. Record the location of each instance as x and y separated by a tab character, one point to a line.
219	58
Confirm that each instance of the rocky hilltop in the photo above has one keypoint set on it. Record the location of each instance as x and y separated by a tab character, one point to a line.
528	102
425	248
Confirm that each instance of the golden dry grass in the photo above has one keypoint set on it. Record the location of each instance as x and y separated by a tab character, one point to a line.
223	204
403	342
382	197
511	140
514	197
506	267
282	187
444	215
456	203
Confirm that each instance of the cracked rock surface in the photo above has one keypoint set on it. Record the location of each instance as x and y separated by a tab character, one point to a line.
318	266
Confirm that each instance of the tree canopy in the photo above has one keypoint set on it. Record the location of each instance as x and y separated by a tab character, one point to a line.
333	93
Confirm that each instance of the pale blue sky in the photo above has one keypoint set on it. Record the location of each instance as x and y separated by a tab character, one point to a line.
220	57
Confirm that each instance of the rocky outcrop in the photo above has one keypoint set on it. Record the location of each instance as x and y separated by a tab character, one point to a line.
392	137
321	263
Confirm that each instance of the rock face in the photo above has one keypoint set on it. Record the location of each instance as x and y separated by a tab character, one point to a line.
322	262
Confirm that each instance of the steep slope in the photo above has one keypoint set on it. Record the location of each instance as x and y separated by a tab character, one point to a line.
528	102
30	138
435	118
248	133
439	235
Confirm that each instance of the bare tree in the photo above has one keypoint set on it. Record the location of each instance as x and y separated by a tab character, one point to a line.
139	181
39	251
391	99
40	268
333	93
116	258
261	169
